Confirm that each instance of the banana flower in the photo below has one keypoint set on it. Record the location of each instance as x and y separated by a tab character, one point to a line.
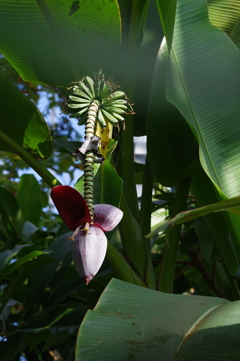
89	242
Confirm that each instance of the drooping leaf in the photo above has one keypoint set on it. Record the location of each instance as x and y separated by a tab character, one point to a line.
152	37
132	322
213	117
171	145
58	43
29	198
230	205
14	266
22	122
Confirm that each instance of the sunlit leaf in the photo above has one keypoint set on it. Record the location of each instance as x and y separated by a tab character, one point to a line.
59	42
131	322
22	122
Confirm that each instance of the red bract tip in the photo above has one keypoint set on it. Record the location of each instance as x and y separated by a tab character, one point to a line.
71	206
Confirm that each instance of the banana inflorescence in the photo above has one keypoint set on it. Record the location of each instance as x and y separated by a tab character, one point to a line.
95	101
113	104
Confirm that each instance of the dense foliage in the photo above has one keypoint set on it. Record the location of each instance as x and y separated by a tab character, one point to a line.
180	237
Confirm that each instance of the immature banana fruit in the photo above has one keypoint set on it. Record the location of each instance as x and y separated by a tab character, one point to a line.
114	104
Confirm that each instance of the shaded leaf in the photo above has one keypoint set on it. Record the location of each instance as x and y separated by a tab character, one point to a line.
40	278
14	266
29	198
204	193
9	210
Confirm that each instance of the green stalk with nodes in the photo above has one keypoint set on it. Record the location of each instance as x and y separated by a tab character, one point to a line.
96	101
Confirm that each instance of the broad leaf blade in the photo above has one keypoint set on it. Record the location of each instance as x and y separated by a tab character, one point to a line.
203	83
216	337
132	322
21	120
59	42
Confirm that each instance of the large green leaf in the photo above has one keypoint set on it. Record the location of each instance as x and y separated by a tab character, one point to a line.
133	323
203	83
225	15
29	198
55	43
170	143
21	120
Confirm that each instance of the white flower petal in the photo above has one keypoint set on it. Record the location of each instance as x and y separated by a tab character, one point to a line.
88	252
107	216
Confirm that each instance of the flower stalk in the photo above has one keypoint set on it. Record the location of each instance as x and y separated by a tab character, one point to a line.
95	101
89	156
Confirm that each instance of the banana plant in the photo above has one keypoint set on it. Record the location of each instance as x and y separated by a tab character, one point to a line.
178	63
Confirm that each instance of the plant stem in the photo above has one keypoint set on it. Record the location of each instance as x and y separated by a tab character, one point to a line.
146	204
232	283
29	159
121	268
89	156
167	271
198	264
134	246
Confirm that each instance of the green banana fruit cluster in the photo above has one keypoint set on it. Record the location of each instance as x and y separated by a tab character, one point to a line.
114	104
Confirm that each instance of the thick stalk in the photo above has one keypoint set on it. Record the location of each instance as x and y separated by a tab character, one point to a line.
198	264
89	156
121	268
167	270
146	204
125	164
29	159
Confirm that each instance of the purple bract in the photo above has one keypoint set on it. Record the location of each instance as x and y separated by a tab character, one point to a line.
89	242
